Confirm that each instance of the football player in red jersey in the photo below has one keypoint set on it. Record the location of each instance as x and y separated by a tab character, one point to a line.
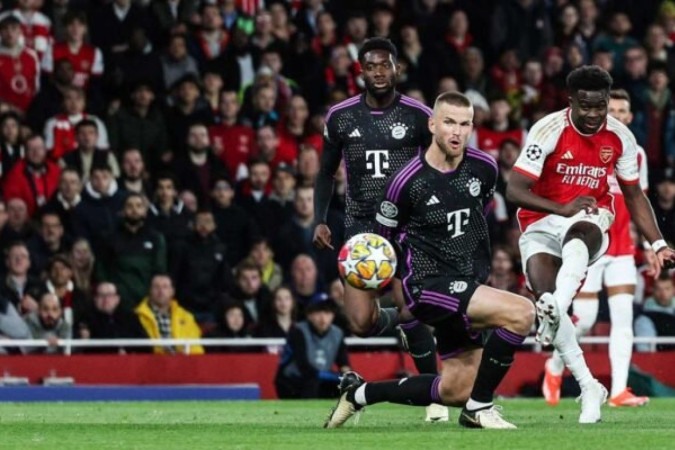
560	182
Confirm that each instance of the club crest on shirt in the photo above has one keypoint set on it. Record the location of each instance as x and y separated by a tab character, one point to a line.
398	130
606	154
388	209
458	287
533	152
474	187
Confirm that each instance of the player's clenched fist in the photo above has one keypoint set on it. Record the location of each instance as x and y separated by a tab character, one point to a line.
583	203
322	236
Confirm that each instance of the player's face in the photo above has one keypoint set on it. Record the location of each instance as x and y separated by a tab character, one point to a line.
379	73
620	110
589	110
451	126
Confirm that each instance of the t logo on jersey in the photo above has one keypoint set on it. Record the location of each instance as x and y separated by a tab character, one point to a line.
458	221
377	160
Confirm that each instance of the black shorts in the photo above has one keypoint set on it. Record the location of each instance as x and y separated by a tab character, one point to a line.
442	303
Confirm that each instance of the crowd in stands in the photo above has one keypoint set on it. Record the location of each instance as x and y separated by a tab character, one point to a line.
157	157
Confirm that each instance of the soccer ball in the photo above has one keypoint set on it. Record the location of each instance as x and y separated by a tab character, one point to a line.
367	261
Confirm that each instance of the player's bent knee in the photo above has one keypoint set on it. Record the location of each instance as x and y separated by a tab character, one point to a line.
361	326
455	395
522	316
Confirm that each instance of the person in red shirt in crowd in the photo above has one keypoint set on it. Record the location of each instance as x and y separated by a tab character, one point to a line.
36	27
19	66
294	130
326	35
267	142
33	179
86	59
60	130
211	40
233	142
490	136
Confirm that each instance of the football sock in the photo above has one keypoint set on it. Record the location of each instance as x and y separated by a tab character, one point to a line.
565	342
571	274
586	312
387	319
421	390
620	340
495	363
421	346
555	364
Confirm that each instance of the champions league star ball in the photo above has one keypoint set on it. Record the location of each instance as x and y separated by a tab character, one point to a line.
367	261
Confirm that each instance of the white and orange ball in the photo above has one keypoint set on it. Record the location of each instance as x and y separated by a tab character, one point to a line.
367	261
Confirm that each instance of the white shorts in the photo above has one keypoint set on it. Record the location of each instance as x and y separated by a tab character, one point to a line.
547	234
610	271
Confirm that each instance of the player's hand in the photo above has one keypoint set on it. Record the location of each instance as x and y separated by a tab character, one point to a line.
322	237
652	262
666	260
583	203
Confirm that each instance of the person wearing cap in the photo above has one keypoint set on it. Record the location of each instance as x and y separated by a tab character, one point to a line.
314	356
19	67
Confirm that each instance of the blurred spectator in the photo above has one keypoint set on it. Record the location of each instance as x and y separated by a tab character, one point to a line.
506	75
417	60
617	39
251	292
134	177
604	60
211	37
282	29
263	257
295	130
47	103
199	168
659	47
203	273
188	110
263	36
574	57
566	27
282	316
83	261
554	89
340	74
267	143
123	16
49	242
35	26
60	282
232	141
313	350
132	254
86	60
522	25
308	166
174	15
106	320
295	235
87	154
531	90
658	314
664	203
234	225
18	226
48	323
168	215
587	27
12	147
33	179
272	59
305	283
473	73
60	129
326	36
12	326
634	79
237	63
19	287
177	62
307	70
163	318
139	63
262	111
98	212
504	275
20	74
140	125
253	196
213	86
189	199
490	136
654	125
283	192
231	324
66	198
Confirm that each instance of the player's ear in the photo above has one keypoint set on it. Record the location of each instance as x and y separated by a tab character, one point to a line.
630	117
431	124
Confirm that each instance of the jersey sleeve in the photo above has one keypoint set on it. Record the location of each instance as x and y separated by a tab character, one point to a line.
330	161
626	167
642	169
541	141
394	205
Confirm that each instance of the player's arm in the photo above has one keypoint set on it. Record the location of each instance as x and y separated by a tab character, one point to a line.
393	207
519	192
323	187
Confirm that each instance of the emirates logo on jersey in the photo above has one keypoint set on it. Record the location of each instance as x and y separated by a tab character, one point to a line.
606	154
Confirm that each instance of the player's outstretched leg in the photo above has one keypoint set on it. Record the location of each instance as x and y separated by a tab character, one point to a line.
346	406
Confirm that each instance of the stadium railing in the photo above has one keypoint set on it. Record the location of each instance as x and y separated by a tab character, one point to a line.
69	344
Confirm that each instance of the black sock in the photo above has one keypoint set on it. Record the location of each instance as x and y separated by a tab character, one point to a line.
421	346
387	320
421	390
495	363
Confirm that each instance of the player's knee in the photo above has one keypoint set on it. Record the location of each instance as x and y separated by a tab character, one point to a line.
360	327
455	394
521	317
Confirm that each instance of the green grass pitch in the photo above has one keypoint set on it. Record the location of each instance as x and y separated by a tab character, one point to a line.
297	425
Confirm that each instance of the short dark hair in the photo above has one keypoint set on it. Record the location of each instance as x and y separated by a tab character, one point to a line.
131	195
72	16
86	123
657	66
166	176
377	43
244	266
102	166
619	94
453	98
589	78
